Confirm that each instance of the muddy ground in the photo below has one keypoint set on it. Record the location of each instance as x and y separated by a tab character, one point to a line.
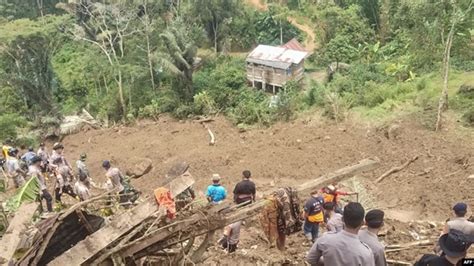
288	154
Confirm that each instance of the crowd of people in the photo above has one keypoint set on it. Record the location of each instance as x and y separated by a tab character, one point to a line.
351	234
45	166
350	237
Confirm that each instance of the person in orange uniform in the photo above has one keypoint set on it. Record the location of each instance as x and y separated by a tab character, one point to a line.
313	216
331	194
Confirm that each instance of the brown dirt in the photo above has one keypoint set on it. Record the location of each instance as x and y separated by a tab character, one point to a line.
287	154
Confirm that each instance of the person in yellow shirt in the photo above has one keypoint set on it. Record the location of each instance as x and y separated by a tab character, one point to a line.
7	145
313	216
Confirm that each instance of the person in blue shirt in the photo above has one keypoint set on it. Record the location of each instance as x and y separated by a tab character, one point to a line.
215	192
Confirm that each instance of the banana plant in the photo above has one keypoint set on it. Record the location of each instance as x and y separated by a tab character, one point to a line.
28	192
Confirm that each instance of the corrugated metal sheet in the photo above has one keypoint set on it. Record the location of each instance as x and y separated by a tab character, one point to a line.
278	57
294	44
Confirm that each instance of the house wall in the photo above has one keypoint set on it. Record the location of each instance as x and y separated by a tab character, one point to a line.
274	76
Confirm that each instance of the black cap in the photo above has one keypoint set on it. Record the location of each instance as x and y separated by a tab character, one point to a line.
455	243
106	164
460	207
374	218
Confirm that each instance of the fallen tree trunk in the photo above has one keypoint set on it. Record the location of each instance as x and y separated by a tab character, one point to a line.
202	222
17	226
396	169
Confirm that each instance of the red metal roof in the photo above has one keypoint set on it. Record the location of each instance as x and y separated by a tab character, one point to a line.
293	44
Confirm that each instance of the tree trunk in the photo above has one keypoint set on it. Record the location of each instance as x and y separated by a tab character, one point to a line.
148	48
120	87
281	34
215	27
443	100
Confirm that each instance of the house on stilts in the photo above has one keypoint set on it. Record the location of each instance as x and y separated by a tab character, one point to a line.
270	67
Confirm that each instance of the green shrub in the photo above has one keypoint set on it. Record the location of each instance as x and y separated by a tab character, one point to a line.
9	124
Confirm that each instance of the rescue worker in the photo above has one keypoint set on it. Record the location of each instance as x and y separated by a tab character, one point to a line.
64	179
43	154
331	194
14	170
345	247
313	216
334	221
231	237
81	188
459	221
57	158
216	192
28	156
454	246
34	171
82	170
116	179
374	221
245	190
7	145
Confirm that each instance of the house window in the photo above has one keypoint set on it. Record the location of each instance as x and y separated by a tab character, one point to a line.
288	71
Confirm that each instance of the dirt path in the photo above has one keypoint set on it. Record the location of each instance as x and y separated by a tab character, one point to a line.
310	39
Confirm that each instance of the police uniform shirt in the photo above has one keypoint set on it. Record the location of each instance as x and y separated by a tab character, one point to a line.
373	242
340	249
461	224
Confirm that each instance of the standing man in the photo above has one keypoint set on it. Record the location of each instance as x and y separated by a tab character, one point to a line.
82	170
245	190
34	171
345	247
43	154
57	157
334	220
116	178
459	221
14	170
313	216
369	235
215	192
7	145
64	179
28	156
231	237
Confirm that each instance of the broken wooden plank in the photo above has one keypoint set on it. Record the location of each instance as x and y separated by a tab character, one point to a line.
84	221
120	225
194	225
10	240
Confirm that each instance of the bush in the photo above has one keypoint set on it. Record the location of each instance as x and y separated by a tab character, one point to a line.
9	124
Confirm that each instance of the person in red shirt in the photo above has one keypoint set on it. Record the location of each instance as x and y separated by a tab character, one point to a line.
331	194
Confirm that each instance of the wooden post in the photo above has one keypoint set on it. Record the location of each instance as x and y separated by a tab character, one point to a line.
274	89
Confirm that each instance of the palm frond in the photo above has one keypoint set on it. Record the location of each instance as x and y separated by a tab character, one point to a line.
181	60
27	193
168	65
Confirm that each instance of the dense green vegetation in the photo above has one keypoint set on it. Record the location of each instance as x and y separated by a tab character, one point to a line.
135	59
